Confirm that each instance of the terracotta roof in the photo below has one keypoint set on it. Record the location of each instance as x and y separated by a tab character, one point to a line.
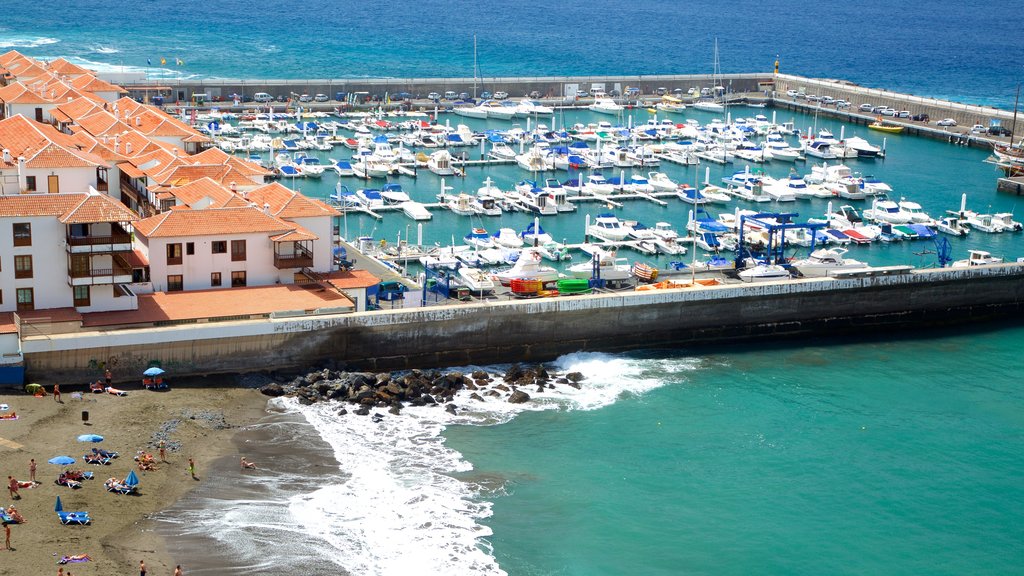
38	204
343	280
130	169
27	138
99	208
194	192
90	83
298	235
288	204
211	222
62	66
18	93
51	315
136	259
219	303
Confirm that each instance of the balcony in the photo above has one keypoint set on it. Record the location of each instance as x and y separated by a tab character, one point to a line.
300	257
119	273
119	240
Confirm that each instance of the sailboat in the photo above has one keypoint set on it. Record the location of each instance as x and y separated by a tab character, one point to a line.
1010	154
716	72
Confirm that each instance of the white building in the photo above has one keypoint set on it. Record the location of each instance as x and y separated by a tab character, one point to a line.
65	251
35	157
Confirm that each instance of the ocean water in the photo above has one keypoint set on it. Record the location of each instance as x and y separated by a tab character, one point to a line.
896	456
968	51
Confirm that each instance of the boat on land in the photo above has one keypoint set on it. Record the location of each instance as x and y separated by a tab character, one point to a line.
607	265
977	258
824	260
764	273
528	267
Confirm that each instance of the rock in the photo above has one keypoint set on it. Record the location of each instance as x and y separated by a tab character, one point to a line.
394	388
494	393
395	409
377	417
574	384
479	375
274	390
476	396
305	401
363	411
540	387
562	380
342	412
514	372
450	408
518	397
575	376
471	386
502	387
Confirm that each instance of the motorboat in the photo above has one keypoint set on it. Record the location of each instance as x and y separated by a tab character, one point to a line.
608	227
528	108
666	239
342	167
1005	219
982	222
534	235
764	273
916	213
708	106
476	280
344	198
952	225
887	211
690	195
311	166
977	258
862	147
715	194
660	182
507	238
534	160
502	151
499	110
528	267
440	163
824	260
608	267
470	111
883	127
370	198
819	149
597	184
605	106
393	195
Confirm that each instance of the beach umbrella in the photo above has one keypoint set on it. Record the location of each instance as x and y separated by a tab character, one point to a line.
153	371
33	388
61	460
58	507
131	479
90	438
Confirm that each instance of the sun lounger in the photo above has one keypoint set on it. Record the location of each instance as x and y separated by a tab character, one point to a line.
67	518
118	487
96	459
115	391
63	481
104	453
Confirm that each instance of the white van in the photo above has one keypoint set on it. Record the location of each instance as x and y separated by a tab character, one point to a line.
263	97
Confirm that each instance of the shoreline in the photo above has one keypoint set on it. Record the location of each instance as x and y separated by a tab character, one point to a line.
209	411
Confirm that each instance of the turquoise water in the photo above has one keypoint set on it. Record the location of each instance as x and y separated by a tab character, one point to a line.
872	457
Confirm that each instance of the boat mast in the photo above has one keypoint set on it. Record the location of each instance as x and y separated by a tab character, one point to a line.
476	69
1013	126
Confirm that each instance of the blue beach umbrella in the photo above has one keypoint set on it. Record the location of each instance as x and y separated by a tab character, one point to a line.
58	507
61	460
131	479
154	371
90	438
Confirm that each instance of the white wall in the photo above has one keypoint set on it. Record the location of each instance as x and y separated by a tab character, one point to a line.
196	269
29	110
321	226
70	179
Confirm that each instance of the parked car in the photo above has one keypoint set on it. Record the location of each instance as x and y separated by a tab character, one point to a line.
320	98
866	107
282	98
486	95
535	94
999	131
920	117
433	96
450	95
814	98
614	93
583	94
661	91
977	129
791	93
403	96
946	122
903	114
842	104
500	95
828	100
305	98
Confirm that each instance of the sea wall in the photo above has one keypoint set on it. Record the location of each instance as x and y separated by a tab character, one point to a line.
542	329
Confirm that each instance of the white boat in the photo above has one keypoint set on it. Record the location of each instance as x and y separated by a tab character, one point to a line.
708	106
461	204
819	149
528	267
982	222
1005	219
471	111
764	273
370	198
916	213
507	238
499	110
393	195
824	260
476	280
952	225
862	147
608	227
597	184
660	182
666	240
534	235
977	258
608	267
887	211
485	206
534	160
528	108
440	163
416	211
605	106
502	151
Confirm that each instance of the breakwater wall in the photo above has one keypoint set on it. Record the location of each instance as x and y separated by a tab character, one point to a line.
540	330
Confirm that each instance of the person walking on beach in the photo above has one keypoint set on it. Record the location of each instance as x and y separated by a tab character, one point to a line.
163	447
56	392
32	469
12	487
192	468
7	535
142	568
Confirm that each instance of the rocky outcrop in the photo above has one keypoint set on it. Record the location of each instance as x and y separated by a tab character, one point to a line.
386	392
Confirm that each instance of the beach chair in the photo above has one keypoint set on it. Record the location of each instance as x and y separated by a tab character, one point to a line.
119	488
115	391
68	518
96	458
105	453
65	481
148	384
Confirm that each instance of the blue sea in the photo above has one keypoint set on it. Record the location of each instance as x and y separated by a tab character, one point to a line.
877	456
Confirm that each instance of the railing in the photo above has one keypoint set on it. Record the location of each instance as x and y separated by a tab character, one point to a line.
299	260
119	267
116	238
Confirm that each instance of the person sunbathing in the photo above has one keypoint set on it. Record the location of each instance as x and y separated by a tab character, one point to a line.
74	558
75	474
248	465
15	515
65	480
11	416
96	459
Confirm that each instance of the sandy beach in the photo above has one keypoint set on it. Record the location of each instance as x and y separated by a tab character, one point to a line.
209	413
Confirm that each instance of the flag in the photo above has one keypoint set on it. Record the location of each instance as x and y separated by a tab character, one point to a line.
163	61
149	61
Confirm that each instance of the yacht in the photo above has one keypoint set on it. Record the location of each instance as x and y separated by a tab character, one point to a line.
764	273
608	267
977	258
605	106
440	163
597	184
661	182
608	227
824	260
887	211
528	267
502	151
527	108
862	147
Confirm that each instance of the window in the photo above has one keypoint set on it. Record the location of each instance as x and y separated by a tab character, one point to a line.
26	299
219	247
22	266
81	294
190	248
237	250
22	234
215	279
30	183
237	279
175	283
173	254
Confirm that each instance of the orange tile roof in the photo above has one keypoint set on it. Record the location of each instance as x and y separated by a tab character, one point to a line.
130	170
343	280
219	303
18	93
90	83
288	204
99	208
62	66
211	222
38	204
193	192
298	235
27	138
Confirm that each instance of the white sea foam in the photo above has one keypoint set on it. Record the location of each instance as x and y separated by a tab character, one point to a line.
101	49
26	41
400	511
